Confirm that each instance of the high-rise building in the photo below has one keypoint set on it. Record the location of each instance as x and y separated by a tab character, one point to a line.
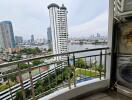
6	35
59	28
49	37
18	39
32	38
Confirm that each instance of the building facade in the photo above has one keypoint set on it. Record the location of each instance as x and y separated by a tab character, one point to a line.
59	28
18	39
6	35
32	39
49	37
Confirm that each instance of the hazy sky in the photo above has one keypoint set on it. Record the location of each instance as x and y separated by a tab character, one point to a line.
31	16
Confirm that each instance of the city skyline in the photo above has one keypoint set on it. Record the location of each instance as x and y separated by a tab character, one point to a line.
31	18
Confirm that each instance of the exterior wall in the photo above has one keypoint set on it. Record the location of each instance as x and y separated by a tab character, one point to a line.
6	35
49	36
110	38
18	39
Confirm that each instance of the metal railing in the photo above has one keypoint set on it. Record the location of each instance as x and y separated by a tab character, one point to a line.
28	80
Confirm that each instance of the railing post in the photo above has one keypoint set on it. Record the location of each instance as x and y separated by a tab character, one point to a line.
95	66
90	67
31	81
69	81
10	88
100	69
85	66
105	63
56	75
21	82
40	72
74	72
49	80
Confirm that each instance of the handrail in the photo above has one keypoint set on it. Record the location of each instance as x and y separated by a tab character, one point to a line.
48	56
71	56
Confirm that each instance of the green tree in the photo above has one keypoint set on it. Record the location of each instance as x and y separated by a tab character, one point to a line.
39	87
31	50
80	63
23	66
18	57
100	69
13	77
36	62
38	50
19	95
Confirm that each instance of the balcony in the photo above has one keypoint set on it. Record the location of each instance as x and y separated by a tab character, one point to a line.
28	80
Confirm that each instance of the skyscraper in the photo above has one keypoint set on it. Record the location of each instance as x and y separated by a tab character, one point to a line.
49	36
6	35
18	39
59	28
32	38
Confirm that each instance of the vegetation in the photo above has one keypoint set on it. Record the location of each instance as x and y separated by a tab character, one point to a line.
23	66
5	85
80	71
19	94
13	77
100	69
31	50
47	83
80	63
36	62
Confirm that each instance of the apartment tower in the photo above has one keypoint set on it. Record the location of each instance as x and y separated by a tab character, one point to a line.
59	28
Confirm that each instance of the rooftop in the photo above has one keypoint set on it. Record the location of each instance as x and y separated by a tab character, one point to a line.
53	5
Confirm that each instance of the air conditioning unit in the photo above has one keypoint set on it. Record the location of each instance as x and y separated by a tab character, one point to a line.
123	8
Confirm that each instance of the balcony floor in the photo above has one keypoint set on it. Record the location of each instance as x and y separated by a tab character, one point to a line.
106	95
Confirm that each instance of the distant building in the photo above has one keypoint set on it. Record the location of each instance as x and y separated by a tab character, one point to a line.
6	35
49	36
59	28
98	35
18	39
32	38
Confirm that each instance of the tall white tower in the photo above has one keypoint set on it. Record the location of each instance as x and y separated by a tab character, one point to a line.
59	28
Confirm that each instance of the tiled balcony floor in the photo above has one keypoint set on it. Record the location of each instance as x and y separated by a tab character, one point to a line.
107	95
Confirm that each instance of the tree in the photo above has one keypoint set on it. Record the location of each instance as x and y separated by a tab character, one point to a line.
36	62
38	50
49	50
23	66
39	87
18	57
31	50
80	63
28	93
100	69
19	95
13	77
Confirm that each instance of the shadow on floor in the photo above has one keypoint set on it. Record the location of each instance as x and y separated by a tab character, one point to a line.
106	95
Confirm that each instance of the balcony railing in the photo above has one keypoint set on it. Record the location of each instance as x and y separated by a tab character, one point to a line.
36	77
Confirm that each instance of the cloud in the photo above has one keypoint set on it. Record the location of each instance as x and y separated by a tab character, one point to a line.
97	25
32	17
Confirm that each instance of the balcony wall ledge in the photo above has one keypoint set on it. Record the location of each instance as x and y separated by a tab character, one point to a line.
80	89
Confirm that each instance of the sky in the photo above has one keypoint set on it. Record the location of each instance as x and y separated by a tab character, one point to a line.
85	17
